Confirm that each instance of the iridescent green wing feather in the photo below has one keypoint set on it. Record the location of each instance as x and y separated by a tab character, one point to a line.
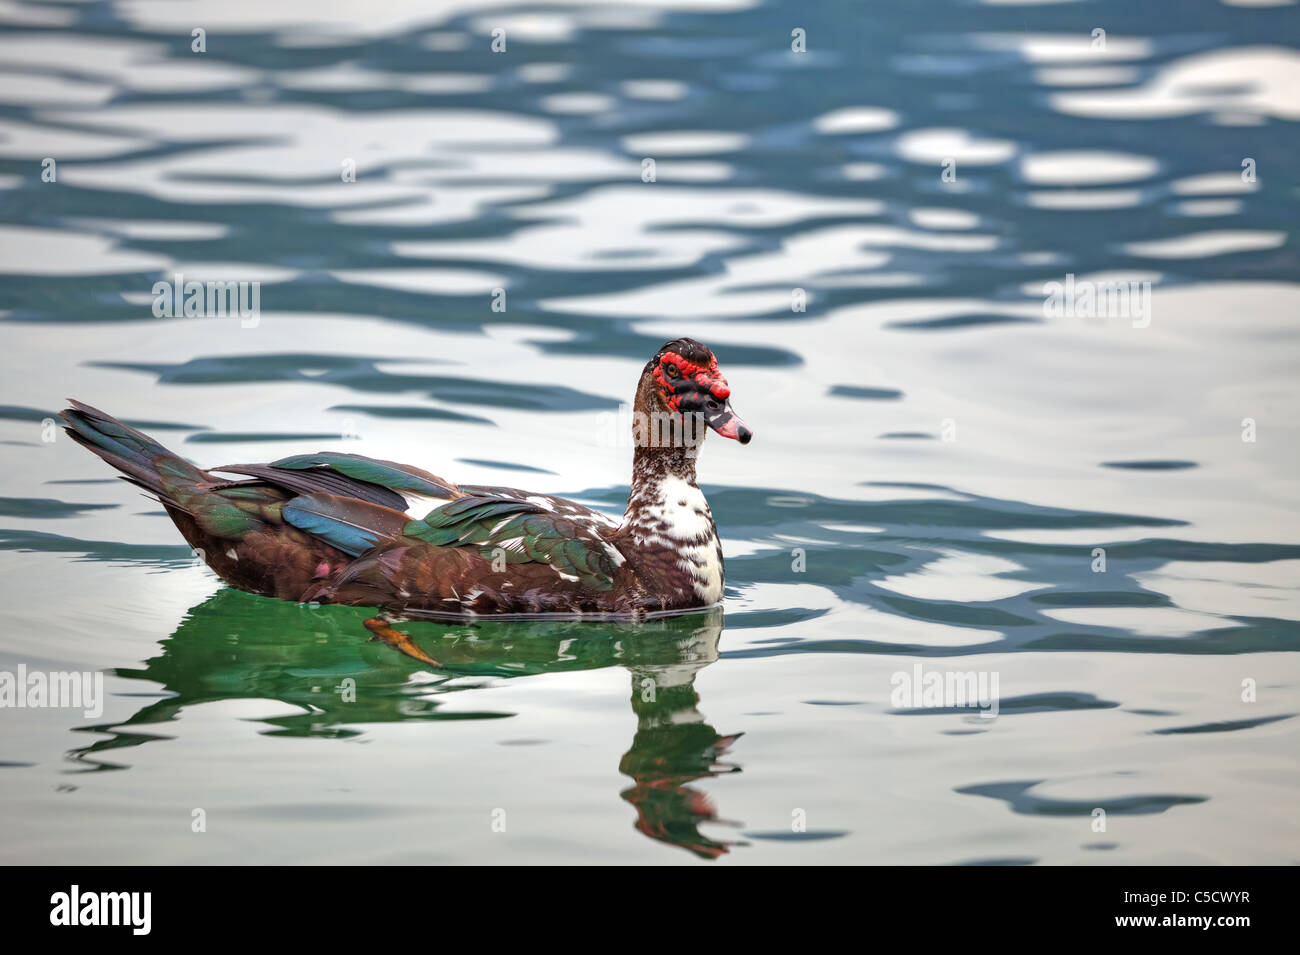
519	531
389	474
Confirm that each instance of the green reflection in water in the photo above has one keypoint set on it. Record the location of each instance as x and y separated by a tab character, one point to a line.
235	646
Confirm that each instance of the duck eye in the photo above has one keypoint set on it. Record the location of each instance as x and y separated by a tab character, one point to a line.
672	371
712	404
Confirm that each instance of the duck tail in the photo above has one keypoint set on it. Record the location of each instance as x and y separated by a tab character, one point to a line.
142	460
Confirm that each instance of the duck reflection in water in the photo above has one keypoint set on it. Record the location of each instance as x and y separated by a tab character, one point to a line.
674	747
235	646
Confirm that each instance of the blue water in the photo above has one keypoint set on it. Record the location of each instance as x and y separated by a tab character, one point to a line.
1101	511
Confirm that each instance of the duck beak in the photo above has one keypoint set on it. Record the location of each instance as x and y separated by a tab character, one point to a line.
729	424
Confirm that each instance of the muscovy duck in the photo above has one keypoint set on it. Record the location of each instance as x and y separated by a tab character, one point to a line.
334	528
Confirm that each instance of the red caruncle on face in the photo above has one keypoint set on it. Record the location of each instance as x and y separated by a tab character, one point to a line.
682	380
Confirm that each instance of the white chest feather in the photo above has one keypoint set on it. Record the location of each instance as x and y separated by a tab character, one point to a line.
678	517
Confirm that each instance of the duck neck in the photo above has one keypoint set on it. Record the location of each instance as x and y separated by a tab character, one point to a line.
663	467
666	511
665	505
654	471
666	448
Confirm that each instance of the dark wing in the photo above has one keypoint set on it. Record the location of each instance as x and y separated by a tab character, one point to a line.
519	530
384	483
352	525
560	506
348	501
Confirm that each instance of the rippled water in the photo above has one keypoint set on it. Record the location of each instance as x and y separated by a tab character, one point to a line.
937	458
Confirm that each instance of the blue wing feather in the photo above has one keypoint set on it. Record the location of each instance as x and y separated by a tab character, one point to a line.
351	525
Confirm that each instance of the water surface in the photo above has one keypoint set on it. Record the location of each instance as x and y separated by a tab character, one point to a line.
939	464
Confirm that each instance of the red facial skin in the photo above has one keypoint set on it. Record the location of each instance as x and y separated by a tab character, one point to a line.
700	390
707	380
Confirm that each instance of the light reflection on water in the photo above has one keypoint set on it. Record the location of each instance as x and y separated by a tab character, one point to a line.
944	456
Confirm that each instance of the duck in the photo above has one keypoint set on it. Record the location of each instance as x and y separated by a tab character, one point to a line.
334	527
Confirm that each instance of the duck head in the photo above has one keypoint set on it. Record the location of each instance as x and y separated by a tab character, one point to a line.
683	380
